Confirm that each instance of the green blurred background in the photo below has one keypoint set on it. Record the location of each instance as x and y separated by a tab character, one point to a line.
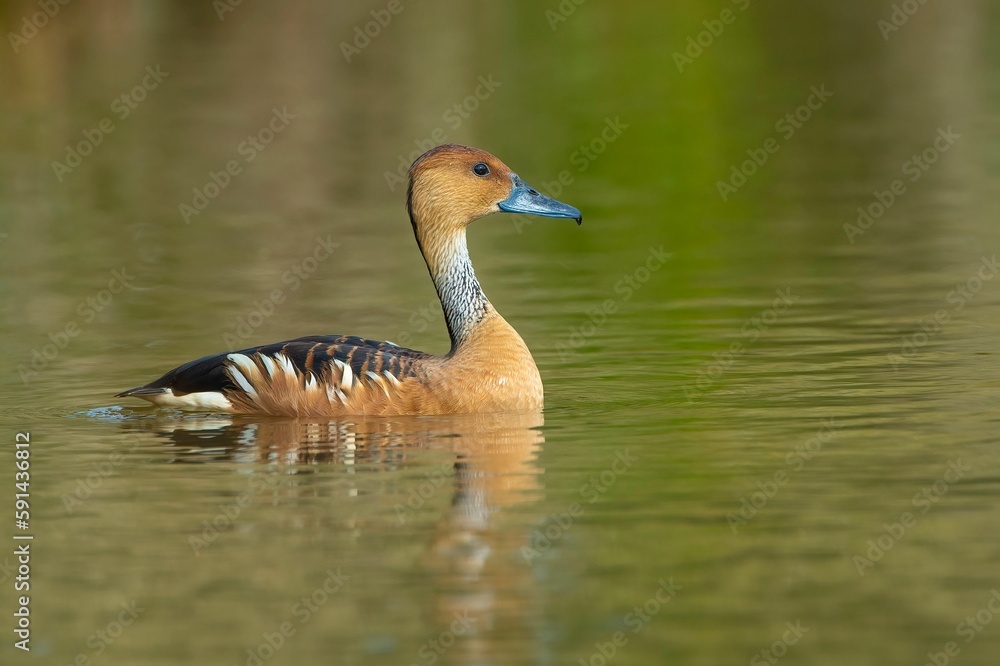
672	370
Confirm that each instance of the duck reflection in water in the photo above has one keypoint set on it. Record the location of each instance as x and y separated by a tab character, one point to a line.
481	583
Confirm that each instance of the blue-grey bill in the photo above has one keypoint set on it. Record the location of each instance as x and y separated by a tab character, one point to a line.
528	200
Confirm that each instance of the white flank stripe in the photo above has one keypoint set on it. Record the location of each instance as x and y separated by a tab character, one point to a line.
378	381
347	378
286	364
268	365
209	400
244	362
391	377
238	377
205	401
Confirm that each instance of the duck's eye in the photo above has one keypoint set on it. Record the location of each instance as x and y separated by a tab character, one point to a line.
481	169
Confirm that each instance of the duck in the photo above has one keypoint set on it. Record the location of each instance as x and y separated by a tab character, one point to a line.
488	369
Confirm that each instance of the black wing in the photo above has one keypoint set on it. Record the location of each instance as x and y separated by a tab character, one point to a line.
309	355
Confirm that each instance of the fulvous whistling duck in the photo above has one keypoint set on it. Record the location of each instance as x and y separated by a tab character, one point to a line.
489	368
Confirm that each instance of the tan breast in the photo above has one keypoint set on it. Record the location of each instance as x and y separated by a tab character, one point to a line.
491	371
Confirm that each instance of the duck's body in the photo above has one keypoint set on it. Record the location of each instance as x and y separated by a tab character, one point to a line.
321	376
489	367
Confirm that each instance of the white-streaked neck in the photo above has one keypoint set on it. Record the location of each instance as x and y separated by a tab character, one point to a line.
462	299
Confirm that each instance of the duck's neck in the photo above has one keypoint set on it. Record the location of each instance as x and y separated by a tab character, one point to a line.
464	303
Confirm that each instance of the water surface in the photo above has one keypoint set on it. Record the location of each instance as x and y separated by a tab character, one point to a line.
770	423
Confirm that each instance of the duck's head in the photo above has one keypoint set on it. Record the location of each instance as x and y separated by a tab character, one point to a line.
454	185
